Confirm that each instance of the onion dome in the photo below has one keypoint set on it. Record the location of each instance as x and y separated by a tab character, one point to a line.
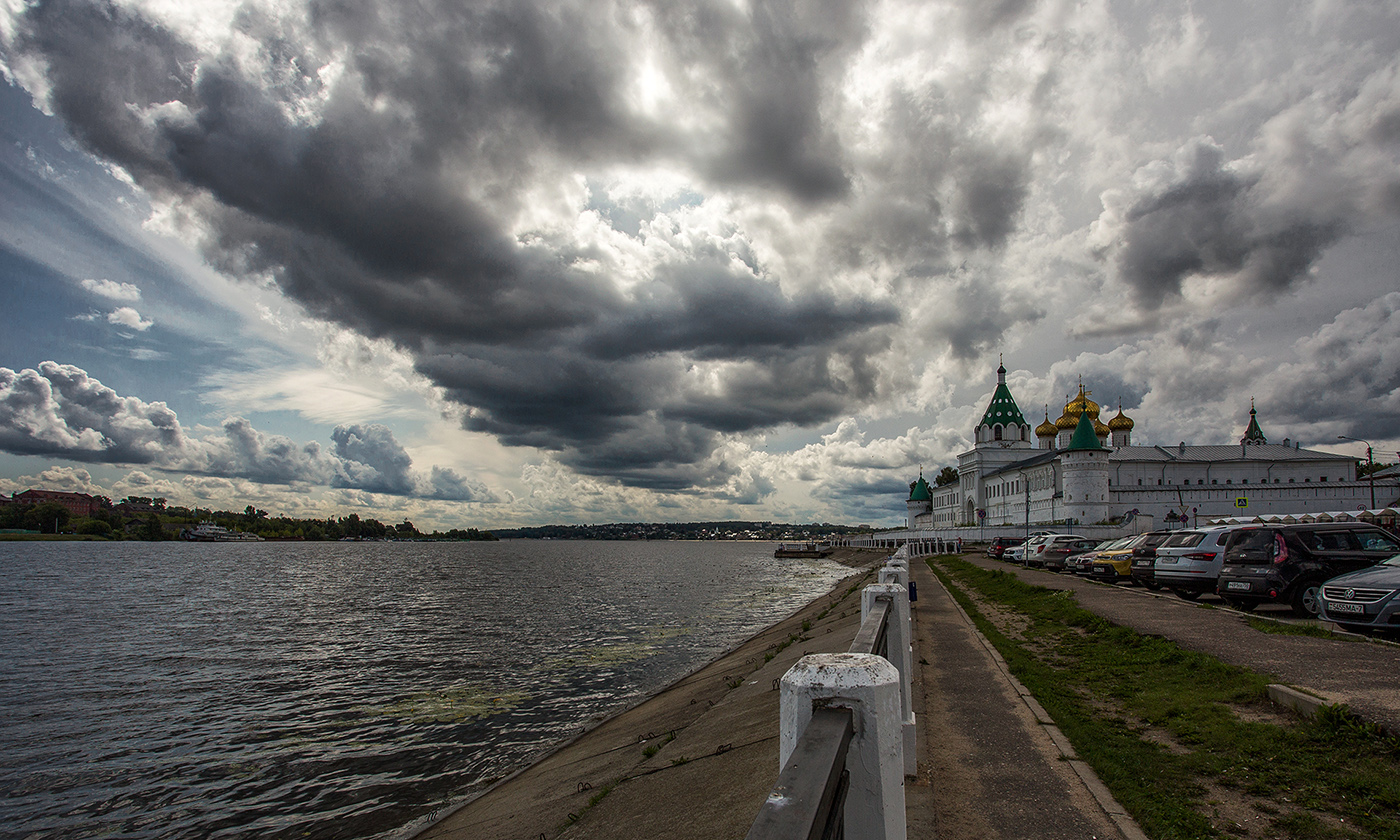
1121	422
1100	429
1047	429
1083	405
1068	420
918	491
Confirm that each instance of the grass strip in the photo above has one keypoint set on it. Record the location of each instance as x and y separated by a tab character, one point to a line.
1109	688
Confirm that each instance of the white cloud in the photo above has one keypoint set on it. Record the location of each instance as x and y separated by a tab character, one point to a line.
127	317
112	289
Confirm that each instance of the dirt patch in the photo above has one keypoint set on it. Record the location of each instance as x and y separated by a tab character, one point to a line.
1010	623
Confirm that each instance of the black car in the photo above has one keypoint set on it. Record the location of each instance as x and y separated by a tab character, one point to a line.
1288	563
1144	555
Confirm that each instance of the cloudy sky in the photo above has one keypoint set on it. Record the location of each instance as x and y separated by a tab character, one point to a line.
481	263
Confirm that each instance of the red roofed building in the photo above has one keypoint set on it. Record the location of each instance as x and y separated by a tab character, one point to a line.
78	504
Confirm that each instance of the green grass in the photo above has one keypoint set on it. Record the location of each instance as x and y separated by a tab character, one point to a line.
1107	686
1284	628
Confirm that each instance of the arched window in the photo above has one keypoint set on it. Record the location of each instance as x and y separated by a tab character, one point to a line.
996	433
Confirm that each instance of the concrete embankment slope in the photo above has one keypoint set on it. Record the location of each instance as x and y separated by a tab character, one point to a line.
708	781
989	766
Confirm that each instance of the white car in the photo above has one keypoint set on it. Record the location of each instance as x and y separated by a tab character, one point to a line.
1188	562
1014	553
1034	554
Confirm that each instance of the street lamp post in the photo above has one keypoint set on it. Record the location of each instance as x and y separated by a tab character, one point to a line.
1370	466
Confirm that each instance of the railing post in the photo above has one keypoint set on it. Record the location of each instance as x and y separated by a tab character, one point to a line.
900	651
869	686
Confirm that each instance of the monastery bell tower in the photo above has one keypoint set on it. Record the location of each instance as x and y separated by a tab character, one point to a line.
1085	464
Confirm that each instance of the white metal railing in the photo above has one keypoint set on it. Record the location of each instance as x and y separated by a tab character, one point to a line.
832	784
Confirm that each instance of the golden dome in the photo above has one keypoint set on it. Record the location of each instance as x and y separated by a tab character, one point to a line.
1047	429
1082	405
1100	429
1067	421
1121	422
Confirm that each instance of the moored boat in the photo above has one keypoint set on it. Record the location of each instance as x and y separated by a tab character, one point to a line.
209	532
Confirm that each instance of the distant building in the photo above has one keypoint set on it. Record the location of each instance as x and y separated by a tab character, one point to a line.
1078	468
78	504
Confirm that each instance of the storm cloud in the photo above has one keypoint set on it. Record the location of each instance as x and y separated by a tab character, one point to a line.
638	237
389	200
61	411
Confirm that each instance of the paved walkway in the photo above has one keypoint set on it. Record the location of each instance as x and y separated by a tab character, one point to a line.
989	764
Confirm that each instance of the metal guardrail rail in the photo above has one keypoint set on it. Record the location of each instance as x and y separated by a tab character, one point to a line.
874	631
808	801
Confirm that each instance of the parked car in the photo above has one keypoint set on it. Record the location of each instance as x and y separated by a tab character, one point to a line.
1188	562
999	545
1058	550
1289	563
1078	564
1013	554
1035	549
1365	600
1144	554
1115	565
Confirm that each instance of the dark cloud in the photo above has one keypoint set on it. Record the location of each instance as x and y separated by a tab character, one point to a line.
60	411
991	190
391	211
1346	375
1207	217
777	71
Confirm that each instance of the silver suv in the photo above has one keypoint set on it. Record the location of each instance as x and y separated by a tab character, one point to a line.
1189	561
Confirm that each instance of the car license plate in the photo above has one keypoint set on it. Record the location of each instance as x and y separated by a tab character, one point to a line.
1241	585
1333	607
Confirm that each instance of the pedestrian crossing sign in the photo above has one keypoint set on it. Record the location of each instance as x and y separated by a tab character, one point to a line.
1241	501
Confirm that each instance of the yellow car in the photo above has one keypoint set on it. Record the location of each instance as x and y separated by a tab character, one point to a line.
1078	564
1115	563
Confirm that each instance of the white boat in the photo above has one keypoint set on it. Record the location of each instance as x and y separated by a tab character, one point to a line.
209	532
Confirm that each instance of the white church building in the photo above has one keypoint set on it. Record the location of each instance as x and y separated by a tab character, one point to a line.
1079	471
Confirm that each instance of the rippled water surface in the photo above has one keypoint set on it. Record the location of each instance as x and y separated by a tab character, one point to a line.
336	690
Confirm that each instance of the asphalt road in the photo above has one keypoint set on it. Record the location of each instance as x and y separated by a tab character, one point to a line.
1362	673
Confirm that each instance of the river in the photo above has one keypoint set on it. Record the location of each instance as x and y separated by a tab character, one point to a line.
337	690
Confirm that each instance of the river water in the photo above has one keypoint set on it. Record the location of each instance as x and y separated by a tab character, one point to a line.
337	690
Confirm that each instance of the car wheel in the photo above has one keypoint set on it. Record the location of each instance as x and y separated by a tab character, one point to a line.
1306	601
1187	594
1241	605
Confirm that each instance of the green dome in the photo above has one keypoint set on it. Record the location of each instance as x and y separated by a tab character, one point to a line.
920	492
1002	410
1084	436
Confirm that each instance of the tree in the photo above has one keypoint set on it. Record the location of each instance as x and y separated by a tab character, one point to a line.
946	476
95	526
47	518
152	529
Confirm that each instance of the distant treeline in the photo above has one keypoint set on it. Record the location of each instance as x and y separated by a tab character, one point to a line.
143	518
680	531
